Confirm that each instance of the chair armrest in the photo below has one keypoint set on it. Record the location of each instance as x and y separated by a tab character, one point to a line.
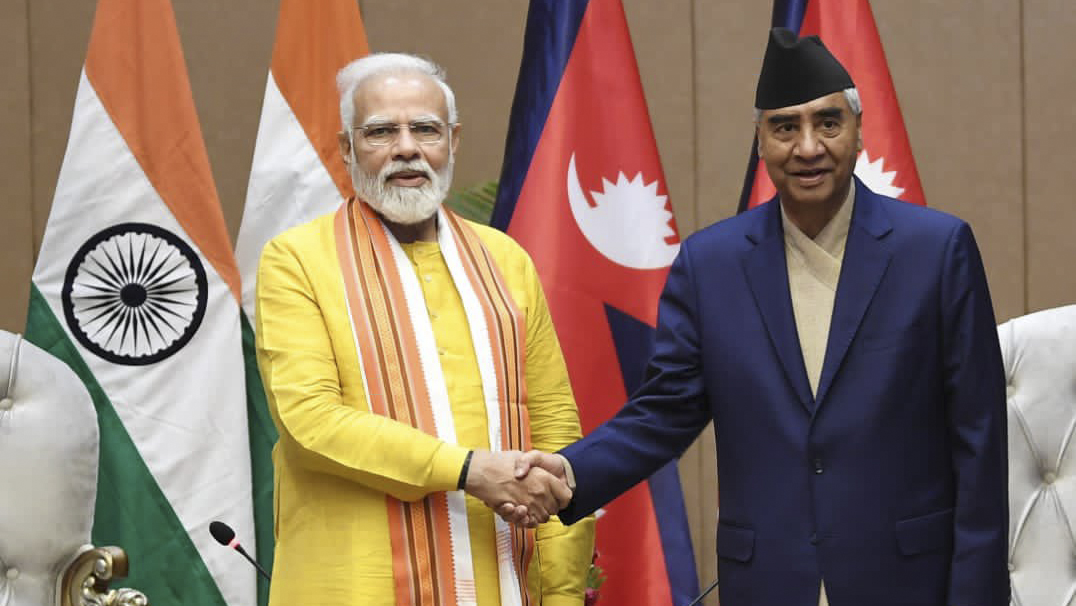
86	580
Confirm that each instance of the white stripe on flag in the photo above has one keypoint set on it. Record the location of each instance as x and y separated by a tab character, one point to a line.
288	186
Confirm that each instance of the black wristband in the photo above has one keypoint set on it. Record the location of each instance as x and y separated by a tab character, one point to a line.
463	472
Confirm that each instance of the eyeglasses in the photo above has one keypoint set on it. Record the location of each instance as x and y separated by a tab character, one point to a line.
424	132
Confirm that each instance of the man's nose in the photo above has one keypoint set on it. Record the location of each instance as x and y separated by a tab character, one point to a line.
808	144
405	147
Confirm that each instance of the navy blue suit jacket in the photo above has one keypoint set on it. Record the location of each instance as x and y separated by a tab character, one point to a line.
891	483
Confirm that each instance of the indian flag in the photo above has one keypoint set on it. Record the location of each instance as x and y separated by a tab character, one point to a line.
137	289
297	174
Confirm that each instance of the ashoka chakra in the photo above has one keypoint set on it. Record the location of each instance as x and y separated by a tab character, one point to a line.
134	294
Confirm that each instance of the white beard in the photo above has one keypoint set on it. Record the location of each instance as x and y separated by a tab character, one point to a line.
402	205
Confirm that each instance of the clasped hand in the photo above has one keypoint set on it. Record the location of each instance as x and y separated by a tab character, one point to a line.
523	488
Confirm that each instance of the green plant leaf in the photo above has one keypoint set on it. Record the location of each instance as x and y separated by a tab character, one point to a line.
474	203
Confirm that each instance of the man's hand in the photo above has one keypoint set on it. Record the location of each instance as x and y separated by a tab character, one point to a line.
552	463
534	463
492	479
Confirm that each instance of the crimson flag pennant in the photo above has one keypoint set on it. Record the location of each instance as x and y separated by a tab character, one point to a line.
582	189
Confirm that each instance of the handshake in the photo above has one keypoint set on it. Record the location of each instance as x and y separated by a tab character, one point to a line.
523	488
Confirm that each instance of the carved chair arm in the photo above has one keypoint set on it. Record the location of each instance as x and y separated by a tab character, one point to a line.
86	580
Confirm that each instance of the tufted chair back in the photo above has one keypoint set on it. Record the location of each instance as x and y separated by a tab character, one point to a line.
1039	351
48	470
48	474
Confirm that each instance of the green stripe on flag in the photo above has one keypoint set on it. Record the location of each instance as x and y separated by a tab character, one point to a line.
263	435
132	511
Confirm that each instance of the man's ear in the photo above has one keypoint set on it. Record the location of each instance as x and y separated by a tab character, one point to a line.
345	146
859	131
455	137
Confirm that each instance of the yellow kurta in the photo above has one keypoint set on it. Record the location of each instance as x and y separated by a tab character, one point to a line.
335	460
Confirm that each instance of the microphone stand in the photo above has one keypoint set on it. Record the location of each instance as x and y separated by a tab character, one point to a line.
704	594
246	555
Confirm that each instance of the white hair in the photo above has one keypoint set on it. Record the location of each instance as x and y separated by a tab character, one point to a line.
358	71
851	95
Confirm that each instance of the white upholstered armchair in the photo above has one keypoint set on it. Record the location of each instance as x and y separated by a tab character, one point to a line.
1039	350
48	486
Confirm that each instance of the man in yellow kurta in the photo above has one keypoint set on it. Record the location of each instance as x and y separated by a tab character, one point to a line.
408	354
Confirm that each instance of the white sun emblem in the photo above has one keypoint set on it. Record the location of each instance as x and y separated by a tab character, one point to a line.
874	175
628	222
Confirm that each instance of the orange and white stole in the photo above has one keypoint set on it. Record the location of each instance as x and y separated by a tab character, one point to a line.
402	375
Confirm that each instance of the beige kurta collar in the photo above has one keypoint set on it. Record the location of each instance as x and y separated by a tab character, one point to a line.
814	268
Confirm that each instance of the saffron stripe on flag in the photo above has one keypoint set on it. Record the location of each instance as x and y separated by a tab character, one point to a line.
155	114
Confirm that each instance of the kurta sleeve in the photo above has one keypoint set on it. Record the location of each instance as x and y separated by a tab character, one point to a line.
318	429
563	553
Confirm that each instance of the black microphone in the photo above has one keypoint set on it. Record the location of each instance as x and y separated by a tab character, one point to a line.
226	536
701	595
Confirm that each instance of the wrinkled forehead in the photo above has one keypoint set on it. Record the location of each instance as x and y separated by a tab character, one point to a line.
399	97
833	104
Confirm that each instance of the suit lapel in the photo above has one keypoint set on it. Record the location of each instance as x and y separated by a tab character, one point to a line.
767	275
865	261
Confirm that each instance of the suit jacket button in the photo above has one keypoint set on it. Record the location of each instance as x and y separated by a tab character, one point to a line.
814	538
818	465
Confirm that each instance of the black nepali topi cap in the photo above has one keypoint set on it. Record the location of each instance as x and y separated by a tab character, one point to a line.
797	70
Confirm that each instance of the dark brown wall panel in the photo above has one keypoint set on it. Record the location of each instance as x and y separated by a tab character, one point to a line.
16	242
956	68
662	35
59	32
730	39
1050	115
228	46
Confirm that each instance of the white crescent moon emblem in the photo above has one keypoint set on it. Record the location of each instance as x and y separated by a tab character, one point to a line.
628	222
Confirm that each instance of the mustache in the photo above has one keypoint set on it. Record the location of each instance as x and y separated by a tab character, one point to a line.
397	166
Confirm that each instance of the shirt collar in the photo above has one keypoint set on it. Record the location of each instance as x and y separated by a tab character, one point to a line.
834	235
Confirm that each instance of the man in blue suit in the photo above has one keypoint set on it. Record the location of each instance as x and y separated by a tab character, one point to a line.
844	345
